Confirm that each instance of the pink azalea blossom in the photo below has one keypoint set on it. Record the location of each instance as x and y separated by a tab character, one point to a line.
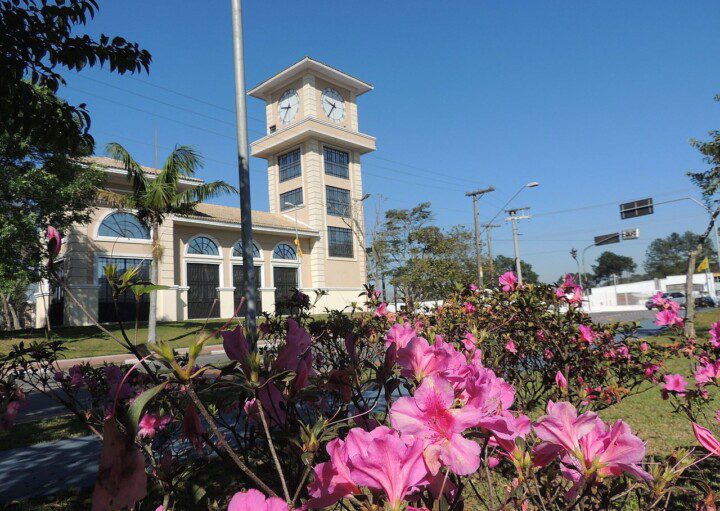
469	308
469	341
674	383
430	416
381	310
236	346
253	500
708	373
296	355
508	281
706	439
644	346
510	346
561	381
151	424
668	317
379	460
715	335
473	288
419	359
587	334
563	427
651	369
399	335
54	241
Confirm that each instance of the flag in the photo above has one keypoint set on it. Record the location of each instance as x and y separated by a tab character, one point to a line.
297	244
703	266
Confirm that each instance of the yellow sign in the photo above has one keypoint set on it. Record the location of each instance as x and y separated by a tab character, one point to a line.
704	265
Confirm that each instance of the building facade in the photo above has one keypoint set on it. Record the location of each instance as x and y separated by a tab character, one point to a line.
312	238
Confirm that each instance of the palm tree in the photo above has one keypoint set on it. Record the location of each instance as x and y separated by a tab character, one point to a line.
154	196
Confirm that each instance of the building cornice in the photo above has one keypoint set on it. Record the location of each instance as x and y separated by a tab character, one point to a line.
256	228
311	127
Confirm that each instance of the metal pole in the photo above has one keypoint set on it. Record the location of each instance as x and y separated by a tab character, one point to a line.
478	251
244	173
717	243
518	268
478	242
488	228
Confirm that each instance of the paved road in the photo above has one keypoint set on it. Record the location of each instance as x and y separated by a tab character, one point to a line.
608	317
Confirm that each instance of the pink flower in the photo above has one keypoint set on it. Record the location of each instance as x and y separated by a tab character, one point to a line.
707	373
715	335
563	427
418	359
549	355
586	445
253	500
399	335
587	334
658	300
236	346
674	383
668	317
508	281
146	426
706	439
379	460
560	381
469	308
510	346
296	355
651	369
473	288
429	416
76	375
389	464
54	241
469	341
381	310
644	346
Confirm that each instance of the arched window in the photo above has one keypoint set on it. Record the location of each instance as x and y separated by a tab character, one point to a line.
284	251
237	250
123	225
202	245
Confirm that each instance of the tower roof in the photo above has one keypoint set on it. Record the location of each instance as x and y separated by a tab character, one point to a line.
287	75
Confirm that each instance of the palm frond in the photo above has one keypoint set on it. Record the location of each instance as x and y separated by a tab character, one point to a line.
135	173
204	192
183	161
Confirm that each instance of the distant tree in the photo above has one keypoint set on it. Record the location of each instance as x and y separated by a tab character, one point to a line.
709	183
668	256
154	199
610	263
422	261
502	264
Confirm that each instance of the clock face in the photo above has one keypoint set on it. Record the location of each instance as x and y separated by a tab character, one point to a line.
288	106
333	104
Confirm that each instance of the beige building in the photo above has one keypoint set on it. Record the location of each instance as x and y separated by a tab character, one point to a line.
313	147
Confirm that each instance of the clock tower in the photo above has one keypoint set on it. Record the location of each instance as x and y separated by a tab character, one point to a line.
313	147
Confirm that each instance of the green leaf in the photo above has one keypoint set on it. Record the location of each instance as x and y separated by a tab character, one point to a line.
139	404
143	289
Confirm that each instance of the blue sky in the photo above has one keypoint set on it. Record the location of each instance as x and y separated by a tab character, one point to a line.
596	101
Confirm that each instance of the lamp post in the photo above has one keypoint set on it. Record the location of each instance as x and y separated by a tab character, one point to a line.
244	174
514	217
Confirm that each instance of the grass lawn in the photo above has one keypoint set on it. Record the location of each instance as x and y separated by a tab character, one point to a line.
89	341
46	430
652	417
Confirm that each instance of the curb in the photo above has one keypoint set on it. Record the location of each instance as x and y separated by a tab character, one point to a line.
121	358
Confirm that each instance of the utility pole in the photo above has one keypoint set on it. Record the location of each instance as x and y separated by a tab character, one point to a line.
514	218
478	244
488	228
244	174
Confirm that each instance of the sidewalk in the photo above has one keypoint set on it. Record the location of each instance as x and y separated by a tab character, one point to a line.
48	468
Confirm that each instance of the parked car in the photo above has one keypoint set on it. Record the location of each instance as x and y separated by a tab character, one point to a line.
674	296
706	301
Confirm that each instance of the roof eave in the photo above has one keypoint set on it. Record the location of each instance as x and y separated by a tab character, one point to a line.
271	84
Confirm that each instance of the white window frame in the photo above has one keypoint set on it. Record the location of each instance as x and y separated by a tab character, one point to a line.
140	241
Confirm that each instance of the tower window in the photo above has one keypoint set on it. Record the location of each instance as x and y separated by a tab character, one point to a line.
340	243
338	201
337	163
289	200
289	164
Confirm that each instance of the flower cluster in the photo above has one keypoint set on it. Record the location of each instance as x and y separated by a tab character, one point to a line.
668	311
569	291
